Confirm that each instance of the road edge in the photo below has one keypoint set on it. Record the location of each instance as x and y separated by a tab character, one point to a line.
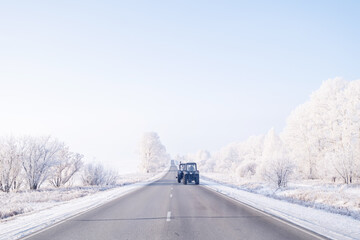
273	216
143	184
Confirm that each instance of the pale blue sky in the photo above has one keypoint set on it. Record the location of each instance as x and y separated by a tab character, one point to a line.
97	74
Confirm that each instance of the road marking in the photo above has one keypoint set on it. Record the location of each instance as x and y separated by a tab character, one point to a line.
171	195
168	216
172	188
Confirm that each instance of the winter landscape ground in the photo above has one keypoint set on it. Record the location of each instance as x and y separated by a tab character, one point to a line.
27	201
332	211
327	210
23	213
336	198
324	222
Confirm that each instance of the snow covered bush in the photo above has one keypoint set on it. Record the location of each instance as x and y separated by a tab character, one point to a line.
276	165
97	175
247	169
279	170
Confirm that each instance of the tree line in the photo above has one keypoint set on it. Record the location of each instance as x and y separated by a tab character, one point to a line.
321	140
32	161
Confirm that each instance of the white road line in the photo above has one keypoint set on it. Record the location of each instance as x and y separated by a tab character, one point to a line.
172	188
168	216
171	195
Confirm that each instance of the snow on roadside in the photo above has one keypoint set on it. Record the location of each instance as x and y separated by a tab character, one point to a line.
328	224
332	197
48	213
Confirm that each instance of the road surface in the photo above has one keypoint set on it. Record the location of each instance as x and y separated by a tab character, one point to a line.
168	210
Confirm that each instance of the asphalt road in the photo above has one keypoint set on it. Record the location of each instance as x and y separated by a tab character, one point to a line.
166	209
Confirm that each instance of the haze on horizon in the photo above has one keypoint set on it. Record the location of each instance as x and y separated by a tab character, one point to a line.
203	74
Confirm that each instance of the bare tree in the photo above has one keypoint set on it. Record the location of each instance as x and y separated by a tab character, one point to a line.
65	166
10	165
38	158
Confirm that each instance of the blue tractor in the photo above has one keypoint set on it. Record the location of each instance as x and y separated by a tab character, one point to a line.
190	174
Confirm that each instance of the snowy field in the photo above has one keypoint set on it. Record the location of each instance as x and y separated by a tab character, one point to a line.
26	212
328	209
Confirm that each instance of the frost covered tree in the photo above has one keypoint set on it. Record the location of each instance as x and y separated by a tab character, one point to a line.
301	137
227	158
38	157
66	165
309	132
10	163
202	157
204	160
326	108
321	140
323	133
276	164
251	151
343	149
97	175
152	153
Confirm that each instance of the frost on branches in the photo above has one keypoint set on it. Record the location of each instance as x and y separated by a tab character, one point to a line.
321	140
152	153
276	164
32	161
10	164
324	133
94	174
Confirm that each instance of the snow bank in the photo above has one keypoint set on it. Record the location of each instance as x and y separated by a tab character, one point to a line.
336	198
328	224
